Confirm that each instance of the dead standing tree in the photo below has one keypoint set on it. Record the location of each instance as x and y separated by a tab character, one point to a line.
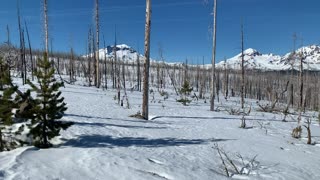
213	55
89	57
117	68
145	102
22	67
30	51
96	76
138	72
296	132
242	68
105	64
46	28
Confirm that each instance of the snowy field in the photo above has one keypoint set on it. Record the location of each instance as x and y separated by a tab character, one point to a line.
177	144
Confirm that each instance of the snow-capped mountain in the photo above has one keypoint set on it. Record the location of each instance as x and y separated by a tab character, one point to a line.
253	58
268	62
123	51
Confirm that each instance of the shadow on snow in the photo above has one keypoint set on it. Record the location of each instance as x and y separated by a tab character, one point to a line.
96	141
87	117
217	118
106	118
114	125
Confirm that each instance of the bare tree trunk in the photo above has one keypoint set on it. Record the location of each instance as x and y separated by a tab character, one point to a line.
30	51
46	29
202	83
158	75
242	67
226	80
112	72
89	56
186	72
105	64
218	86
8	36
123	74
308	130
115	61
24	59
71	66
117	69
213	55
145	102
1	142
138	72
301	88
94	60
197	76
97	77
21	43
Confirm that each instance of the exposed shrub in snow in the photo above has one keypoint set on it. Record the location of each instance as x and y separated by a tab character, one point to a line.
236	165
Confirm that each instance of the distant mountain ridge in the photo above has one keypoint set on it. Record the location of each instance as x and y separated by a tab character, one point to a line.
269	62
254	60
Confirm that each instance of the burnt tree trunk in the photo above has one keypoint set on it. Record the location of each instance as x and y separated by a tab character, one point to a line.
213	55
145	102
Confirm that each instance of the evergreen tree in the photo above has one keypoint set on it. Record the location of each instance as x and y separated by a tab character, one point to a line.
6	102
185	91
49	106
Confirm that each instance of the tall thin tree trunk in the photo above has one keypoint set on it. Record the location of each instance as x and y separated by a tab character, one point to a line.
301	88
145	102
138	72
186	72
112	73
89	55
71	68
242	68
46	29
30	51
213	55
21	43
124	74
24	59
8	36
1	142
97	77
105	64
226	80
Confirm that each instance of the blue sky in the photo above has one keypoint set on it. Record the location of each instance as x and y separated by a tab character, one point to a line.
182	27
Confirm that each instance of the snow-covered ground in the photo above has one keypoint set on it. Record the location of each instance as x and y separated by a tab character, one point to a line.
177	144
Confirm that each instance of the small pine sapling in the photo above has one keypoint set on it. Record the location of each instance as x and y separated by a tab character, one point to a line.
185	91
49	106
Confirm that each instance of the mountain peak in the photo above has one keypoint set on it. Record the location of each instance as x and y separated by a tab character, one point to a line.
309	50
251	52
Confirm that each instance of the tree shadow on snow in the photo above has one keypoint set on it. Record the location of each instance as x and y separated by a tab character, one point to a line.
96	141
125	120
218	118
114	125
87	117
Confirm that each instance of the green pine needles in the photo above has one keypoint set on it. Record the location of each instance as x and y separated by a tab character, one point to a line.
6	102
184	92
48	107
